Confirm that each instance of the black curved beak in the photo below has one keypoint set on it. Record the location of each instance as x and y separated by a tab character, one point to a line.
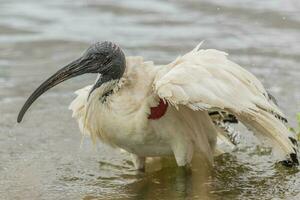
75	68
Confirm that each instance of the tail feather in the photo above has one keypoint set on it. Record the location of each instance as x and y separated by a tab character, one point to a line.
273	130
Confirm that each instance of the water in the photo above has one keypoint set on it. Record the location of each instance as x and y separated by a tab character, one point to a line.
42	158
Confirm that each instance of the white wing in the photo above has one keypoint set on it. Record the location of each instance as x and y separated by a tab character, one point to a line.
207	80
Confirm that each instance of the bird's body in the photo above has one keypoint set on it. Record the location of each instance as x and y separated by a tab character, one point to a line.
161	110
123	119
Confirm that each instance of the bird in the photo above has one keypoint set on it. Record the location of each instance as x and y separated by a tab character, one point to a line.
177	109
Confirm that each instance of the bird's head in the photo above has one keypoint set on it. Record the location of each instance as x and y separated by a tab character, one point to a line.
104	58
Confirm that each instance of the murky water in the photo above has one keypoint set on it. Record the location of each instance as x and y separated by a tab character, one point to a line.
42	158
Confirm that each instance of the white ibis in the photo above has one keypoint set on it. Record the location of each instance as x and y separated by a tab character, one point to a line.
161	110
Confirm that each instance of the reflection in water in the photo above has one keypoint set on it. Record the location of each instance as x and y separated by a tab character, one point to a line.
230	179
164	180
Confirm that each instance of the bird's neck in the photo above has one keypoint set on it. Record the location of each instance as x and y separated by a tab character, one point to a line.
108	89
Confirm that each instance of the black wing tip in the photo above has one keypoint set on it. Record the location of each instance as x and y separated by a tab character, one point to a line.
294	141
291	162
294	158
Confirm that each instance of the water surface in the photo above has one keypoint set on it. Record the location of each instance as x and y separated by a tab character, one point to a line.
42	158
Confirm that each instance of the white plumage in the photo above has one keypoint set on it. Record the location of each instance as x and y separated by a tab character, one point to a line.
195	84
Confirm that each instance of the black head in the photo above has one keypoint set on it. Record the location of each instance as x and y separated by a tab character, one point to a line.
105	58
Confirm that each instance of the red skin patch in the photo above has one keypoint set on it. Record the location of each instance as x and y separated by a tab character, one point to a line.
158	111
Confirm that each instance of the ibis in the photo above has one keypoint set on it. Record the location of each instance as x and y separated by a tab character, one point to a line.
176	109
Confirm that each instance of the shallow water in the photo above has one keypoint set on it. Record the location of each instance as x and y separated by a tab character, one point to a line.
42	158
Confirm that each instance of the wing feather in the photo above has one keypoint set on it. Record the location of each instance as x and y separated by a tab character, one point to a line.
207	80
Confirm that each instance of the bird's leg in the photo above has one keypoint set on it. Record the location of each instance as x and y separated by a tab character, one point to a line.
184	170
138	162
183	151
